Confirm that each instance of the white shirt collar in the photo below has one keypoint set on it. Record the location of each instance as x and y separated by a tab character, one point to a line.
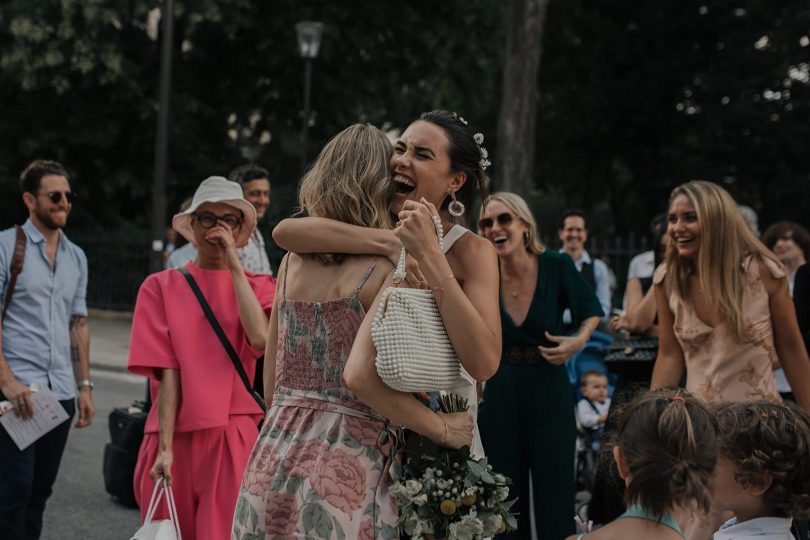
585	258
776	528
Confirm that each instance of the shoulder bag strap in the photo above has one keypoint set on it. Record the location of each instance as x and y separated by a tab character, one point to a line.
212	319
16	267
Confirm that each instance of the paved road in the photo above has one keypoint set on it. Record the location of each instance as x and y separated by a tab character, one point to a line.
80	509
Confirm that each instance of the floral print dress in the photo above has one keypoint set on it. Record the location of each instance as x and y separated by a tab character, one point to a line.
323	463
719	366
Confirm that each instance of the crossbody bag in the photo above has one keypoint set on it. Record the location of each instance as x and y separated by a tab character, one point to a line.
226	343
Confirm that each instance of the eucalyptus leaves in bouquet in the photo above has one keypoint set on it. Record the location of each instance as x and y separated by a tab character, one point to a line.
449	494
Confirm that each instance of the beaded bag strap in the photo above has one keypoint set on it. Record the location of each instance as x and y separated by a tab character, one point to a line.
399	273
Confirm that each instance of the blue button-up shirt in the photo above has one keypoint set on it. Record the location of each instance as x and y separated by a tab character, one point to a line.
36	331
601	277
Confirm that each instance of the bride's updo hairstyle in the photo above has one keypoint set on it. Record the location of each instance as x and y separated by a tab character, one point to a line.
466	155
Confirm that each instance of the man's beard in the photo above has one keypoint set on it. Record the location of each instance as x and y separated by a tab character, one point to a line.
46	219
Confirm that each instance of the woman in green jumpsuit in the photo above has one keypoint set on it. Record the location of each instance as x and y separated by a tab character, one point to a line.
527	417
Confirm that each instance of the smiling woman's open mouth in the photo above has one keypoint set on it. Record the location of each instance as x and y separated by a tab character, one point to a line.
403	184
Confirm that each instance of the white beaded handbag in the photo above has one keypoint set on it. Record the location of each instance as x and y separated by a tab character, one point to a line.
414	353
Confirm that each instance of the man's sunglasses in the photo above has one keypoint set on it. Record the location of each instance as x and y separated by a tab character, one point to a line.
56	196
209	219
502	219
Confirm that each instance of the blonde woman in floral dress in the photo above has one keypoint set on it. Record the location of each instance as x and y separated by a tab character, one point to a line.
323	463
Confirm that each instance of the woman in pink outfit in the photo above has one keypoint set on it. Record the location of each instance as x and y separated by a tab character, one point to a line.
203	413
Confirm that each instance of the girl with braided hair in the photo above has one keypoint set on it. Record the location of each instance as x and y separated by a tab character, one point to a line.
665	449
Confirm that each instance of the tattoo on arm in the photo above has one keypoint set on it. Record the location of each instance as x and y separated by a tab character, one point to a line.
77	322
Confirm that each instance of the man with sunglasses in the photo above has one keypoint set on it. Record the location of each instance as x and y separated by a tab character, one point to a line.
45	340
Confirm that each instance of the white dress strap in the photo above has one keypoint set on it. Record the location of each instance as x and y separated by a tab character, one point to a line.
456	232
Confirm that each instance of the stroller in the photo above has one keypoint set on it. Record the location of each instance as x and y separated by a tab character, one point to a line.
588	445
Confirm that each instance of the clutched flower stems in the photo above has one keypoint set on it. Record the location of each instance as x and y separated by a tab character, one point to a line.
451	494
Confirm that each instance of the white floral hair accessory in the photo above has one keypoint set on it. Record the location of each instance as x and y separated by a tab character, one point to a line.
460	119
479	140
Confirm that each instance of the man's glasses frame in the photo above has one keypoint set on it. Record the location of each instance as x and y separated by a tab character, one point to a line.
502	219
56	196
208	220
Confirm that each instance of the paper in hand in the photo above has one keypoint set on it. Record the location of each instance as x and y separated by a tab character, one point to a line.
48	413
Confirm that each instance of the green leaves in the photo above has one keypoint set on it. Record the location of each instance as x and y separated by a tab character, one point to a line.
317	520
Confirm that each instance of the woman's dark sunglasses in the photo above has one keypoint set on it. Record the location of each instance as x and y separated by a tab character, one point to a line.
502	219
209	219
56	196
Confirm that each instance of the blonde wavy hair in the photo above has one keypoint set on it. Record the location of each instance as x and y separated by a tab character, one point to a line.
725	242
350	180
520	208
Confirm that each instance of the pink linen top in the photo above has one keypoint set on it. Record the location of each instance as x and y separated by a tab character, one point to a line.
169	330
719	366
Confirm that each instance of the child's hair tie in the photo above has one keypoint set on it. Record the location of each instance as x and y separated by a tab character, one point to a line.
679	398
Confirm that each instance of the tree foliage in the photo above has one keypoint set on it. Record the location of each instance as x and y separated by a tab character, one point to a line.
639	97
634	98
79	84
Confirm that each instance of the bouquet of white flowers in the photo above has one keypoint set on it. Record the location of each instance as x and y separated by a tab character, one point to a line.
449	494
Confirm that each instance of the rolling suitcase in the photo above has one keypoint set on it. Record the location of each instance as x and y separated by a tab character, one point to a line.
126	426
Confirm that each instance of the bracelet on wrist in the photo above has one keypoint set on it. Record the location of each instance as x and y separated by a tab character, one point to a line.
438	290
444	436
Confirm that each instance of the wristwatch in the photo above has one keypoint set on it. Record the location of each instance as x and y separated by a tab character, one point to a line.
85	382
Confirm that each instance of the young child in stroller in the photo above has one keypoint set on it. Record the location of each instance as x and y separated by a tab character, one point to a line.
592	412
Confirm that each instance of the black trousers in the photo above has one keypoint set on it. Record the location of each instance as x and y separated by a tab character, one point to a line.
528	429
27	477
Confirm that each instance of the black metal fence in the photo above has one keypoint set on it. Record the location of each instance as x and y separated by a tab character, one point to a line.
120	262
117	264
617	252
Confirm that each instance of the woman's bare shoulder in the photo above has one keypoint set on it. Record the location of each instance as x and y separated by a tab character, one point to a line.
470	248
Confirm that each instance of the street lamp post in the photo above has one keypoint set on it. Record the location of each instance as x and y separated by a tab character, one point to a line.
162	140
309	43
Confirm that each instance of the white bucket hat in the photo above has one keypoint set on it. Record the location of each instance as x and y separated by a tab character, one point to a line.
216	189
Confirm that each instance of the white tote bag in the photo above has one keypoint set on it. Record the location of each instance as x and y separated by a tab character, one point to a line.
161	529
